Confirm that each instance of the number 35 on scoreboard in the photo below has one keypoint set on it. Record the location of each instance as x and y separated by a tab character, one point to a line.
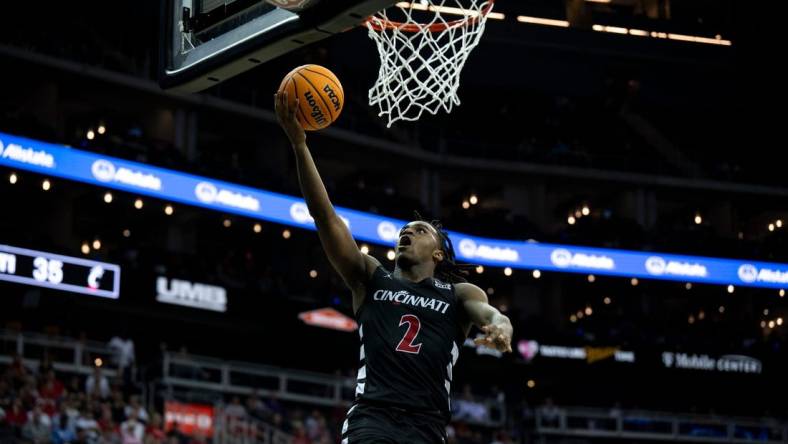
65	273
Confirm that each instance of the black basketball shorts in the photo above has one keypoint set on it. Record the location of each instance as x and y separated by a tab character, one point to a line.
367	424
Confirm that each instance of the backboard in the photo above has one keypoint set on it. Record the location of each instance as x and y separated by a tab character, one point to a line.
205	42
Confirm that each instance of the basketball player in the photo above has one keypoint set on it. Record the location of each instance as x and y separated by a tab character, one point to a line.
411	322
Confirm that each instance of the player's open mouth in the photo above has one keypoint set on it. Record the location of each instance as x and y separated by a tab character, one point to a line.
404	241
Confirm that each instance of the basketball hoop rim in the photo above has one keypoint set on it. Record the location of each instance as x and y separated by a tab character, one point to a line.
381	25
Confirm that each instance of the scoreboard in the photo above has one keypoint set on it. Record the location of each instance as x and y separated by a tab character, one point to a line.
58	272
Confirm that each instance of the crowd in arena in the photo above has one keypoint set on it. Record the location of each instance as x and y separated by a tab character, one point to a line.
41	406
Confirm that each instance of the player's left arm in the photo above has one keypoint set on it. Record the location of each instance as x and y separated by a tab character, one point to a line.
496	326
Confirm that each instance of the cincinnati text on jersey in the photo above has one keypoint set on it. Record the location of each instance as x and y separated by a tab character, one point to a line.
403	297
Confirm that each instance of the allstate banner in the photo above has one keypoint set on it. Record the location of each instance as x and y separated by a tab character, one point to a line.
141	179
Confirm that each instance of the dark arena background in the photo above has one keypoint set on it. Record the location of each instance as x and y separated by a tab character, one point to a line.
161	280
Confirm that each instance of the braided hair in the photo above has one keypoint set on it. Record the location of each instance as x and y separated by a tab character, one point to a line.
448	269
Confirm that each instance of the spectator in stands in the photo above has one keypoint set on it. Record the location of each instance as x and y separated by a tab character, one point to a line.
463	433
118	407
84	438
51	387
16	417
97	384
6	432
311	424
467	408
28	393
299	434
320	434
497	409
295	415
38	427
155	431
316	427
132	430
64	431
549	413
279	422
477	437
86	422
124	358
6	397
198	438
65	413
134	405
74	403
17	371
175	435
50	392
110	435
502	438
257	408
274	405
105	419
76	399
235	408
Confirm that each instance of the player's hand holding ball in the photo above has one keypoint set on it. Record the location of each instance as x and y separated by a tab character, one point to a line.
310	98
286	115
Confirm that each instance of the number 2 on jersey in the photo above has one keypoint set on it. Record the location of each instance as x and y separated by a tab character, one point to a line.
406	345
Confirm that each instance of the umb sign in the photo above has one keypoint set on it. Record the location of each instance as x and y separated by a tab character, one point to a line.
328	318
191	294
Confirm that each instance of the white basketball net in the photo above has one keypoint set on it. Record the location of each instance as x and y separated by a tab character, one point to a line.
421	61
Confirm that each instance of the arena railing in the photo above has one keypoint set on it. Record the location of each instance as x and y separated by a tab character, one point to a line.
200	373
206	373
67	354
645	425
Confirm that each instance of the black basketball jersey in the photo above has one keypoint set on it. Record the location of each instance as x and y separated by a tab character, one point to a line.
411	334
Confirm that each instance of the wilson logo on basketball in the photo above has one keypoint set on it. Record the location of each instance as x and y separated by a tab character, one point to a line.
332	96
316	114
319	105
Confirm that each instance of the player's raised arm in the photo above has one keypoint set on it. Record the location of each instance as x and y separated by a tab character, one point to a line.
341	249
496	327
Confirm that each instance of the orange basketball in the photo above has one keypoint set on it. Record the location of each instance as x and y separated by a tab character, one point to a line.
319	93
